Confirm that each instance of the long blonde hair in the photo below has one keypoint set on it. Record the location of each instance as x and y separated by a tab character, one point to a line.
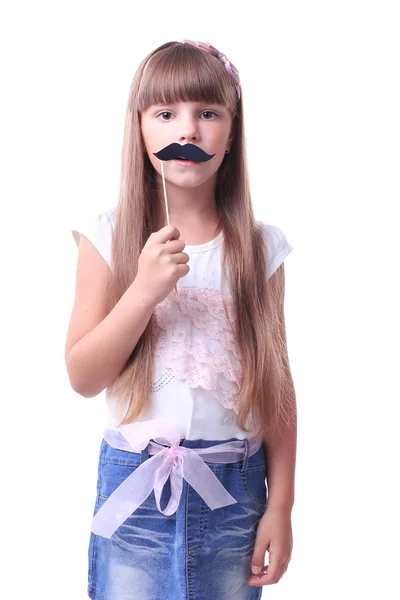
173	73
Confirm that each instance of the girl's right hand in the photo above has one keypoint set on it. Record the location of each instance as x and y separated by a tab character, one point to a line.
161	264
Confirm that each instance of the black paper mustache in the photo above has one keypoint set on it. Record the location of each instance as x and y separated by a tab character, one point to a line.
189	151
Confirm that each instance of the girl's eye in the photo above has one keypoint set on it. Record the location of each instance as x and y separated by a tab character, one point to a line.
167	112
163	113
209	112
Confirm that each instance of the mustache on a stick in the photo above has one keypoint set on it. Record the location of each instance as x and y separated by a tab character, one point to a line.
175	150
189	151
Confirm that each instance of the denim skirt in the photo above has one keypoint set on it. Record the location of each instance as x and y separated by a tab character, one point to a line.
194	554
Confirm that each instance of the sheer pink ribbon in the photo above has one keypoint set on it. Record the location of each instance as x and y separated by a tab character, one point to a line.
174	461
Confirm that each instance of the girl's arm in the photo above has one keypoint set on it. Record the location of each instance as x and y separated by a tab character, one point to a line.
281	461
99	344
280	449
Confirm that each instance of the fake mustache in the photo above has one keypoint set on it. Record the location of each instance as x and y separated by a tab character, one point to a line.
189	151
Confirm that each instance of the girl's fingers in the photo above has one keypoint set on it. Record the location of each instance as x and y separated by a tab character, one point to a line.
273	575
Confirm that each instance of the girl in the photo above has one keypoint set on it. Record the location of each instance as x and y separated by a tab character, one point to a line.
197	378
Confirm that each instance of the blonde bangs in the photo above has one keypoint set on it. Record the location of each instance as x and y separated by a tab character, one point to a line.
180	73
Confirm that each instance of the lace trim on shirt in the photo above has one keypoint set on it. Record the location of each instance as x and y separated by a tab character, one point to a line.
193	337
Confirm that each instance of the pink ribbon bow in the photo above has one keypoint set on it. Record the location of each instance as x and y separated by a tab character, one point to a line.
176	462
232	70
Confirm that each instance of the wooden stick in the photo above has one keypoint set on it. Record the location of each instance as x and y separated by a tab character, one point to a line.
166	206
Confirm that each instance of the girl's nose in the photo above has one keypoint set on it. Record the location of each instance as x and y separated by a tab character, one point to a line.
189	129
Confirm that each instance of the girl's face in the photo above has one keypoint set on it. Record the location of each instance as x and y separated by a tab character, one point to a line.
208	126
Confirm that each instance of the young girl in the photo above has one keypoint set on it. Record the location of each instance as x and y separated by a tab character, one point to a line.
179	315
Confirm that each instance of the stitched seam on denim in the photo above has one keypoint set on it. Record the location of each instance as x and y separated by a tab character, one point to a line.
246	489
96	592
215	469
121	463
203	518
92	565
98	486
189	575
203	521
190	586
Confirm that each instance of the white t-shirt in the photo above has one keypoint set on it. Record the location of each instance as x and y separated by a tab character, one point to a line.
197	367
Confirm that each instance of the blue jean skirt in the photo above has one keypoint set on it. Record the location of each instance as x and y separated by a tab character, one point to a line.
194	554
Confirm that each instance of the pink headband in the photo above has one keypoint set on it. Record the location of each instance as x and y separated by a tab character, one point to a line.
232	70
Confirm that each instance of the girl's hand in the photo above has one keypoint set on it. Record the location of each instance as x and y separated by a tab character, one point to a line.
274	534
161	264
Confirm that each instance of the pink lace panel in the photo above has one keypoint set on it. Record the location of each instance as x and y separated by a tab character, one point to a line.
193	337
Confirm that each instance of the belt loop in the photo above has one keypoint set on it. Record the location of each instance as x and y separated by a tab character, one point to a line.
246	454
144	455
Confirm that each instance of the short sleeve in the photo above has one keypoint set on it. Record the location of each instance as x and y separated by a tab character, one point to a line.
99	232
278	247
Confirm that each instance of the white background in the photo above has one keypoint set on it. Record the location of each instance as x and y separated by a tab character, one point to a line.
321	99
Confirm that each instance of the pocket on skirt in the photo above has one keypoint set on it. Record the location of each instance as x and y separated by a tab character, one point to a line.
254	485
114	467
